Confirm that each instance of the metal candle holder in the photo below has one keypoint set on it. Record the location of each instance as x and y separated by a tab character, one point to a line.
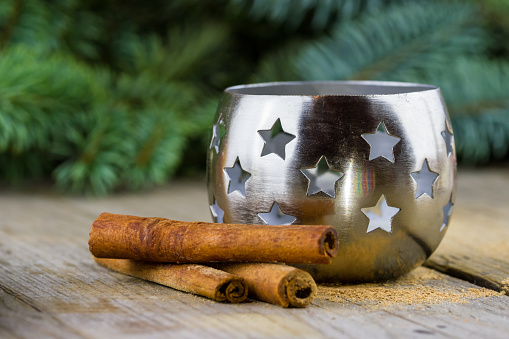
375	160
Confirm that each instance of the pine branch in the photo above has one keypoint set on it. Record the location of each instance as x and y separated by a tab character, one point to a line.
18	169
94	149
50	26
38	93
475	90
292	14
182	56
157	150
384	45
473	85
483	137
388	44
10	22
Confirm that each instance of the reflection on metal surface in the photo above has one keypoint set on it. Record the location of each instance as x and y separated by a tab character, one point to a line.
381	143
238	177
425	179
276	217
217	212
350	126
447	210
380	215
322	178
275	140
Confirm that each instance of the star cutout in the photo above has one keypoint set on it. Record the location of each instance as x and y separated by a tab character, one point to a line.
276	217
217	134
425	179
275	140
447	209
381	143
448	138
238	178
380	215
217	212
322	178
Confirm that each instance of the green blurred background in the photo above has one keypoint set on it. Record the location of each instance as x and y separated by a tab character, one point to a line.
100	96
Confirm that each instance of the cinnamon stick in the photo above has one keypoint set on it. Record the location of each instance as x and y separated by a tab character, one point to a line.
164	240
278	284
202	280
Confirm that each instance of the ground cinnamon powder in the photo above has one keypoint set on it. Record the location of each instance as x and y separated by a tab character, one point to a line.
421	286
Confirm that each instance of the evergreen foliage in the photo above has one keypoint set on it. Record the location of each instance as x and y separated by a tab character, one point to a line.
121	94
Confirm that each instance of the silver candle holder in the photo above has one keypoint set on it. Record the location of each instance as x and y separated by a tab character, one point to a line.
375	160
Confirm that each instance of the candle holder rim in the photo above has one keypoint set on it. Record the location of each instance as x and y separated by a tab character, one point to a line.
280	88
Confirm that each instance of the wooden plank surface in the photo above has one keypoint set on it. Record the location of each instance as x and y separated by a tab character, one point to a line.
476	246
51	287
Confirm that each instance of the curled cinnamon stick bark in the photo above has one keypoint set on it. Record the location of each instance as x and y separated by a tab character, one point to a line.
202	280
282	285
164	240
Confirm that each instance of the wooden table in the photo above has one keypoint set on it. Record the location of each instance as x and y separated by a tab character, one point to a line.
51	287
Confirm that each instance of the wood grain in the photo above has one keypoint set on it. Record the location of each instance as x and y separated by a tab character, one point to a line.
476	247
51	287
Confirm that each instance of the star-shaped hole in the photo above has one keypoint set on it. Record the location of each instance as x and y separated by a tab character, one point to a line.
447	210
238	177
322	178
380	215
276	217
425	180
275	140
381	143
449	139
218	131
217	212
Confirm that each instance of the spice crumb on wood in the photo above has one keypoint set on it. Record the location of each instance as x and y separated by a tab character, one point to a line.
421	286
